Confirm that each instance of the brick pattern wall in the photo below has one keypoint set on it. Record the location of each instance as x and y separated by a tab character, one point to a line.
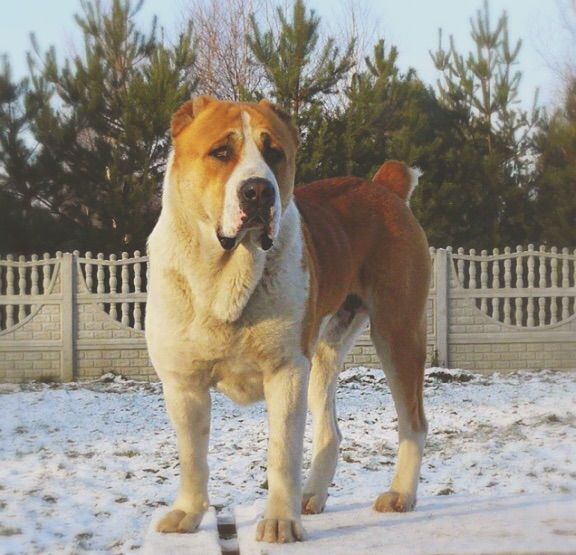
131	362
22	366
105	345
94	324
363	354
479	343
31	350
514	356
42	324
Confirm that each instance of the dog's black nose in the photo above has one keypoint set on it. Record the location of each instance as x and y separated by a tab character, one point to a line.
228	243
257	191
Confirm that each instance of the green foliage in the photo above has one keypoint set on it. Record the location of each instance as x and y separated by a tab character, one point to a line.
24	221
555	181
100	126
321	148
482	89
83	144
379	100
299	70
392	115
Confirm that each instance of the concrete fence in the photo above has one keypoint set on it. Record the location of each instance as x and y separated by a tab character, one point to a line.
76	317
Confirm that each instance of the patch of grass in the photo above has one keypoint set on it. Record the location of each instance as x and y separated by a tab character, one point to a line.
446	377
47	379
77	454
435	359
446	491
7	531
155	504
127	453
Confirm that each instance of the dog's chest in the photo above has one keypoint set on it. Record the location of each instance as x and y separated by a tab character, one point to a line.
233	358
189	340
238	378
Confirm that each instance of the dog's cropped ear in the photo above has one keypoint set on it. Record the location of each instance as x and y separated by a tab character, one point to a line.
283	116
187	112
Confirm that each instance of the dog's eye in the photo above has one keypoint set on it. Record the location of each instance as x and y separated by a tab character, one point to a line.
222	153
273	155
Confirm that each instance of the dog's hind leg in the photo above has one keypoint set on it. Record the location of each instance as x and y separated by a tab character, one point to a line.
338	336
326	435
402	350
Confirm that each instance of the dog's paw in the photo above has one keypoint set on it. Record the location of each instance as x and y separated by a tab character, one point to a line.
394	502
180	522
313	503
273	530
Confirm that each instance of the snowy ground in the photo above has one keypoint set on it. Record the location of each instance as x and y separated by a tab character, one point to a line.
83	466
518	524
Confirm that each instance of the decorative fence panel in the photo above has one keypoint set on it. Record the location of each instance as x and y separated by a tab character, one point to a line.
32	343
76	317
111	301
511	310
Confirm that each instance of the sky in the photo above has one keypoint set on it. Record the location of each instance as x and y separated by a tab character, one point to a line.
412	25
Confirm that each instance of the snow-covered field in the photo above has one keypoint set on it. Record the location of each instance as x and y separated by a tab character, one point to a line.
83	466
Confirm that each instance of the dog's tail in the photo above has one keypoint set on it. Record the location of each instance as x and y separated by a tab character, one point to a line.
398	177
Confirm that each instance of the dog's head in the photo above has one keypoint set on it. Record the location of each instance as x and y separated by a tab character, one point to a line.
233	168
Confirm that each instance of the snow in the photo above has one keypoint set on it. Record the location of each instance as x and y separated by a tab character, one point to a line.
459	524
84	466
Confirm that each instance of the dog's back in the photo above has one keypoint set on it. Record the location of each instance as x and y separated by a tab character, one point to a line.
364	235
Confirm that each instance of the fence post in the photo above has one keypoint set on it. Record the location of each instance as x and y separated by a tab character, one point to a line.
441	312
68	284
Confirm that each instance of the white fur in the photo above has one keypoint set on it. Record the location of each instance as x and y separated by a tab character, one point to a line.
251	164
415	175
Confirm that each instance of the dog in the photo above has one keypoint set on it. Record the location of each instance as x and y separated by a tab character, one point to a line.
259	290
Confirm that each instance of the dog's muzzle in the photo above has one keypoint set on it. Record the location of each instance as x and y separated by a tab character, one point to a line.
257	197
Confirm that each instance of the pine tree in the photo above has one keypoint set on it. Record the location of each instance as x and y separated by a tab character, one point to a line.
483	89
377	100
555	180
452	202
24	225
101	125
320	154
299	70
393	115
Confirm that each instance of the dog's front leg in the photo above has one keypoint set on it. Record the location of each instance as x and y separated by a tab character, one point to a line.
285	393
189	411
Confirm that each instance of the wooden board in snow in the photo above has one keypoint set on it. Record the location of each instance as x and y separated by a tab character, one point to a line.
203	542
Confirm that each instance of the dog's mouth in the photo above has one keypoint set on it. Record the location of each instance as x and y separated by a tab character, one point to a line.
230	243
257	222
